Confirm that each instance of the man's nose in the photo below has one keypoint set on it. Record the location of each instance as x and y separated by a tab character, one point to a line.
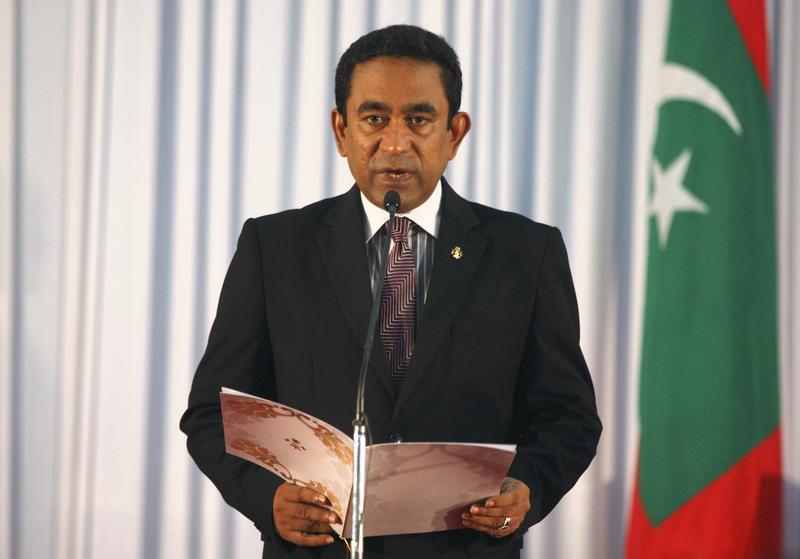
396	138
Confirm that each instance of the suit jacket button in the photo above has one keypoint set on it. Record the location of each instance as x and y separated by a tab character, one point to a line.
395	438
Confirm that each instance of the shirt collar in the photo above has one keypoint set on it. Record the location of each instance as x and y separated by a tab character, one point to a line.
426	215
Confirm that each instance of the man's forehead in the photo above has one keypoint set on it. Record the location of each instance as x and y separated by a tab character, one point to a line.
397	81
392	69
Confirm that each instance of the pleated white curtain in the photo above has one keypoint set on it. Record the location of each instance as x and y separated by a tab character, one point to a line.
136	136
786	110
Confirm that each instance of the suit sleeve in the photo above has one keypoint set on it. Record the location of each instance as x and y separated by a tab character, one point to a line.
555	412
238	356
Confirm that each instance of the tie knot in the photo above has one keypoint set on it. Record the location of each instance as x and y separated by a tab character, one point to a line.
402	225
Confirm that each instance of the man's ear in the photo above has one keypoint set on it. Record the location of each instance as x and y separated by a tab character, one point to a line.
339	128
459	127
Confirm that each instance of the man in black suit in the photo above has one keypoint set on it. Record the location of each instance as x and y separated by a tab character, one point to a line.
493	353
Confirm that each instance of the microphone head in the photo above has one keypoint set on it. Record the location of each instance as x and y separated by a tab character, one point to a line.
391	201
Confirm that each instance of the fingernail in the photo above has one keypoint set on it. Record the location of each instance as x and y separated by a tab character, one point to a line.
465	515
489	503
473	509
329	539
331	518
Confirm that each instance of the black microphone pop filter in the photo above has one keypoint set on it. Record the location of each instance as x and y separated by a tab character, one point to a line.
391	201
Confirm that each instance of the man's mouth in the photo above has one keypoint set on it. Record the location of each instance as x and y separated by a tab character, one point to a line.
395	175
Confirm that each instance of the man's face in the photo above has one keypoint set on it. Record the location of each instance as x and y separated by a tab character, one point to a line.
396	137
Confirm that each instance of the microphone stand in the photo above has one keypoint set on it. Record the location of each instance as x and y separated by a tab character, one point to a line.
391	201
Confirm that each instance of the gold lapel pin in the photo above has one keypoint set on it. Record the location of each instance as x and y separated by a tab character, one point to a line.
456	252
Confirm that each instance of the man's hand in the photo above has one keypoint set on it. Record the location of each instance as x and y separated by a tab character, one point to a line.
301	516
512	503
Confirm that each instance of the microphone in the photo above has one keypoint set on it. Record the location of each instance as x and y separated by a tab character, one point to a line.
391	201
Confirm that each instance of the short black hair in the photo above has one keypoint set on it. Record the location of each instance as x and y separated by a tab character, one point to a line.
401	41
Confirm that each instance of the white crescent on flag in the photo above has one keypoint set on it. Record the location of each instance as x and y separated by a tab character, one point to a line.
680	83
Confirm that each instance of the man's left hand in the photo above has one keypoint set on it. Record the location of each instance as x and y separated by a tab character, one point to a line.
512	504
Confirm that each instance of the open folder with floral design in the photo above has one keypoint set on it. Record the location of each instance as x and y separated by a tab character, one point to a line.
411	487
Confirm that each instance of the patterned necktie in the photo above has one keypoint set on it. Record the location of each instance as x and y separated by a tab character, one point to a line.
399	303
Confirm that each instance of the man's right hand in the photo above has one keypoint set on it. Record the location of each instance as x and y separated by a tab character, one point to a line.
301	516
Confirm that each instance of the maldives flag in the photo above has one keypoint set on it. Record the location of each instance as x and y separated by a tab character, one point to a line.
709	474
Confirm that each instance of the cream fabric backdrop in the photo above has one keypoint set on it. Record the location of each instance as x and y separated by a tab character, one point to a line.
135	137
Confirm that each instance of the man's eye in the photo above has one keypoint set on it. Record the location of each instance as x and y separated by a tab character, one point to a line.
418	120
374	119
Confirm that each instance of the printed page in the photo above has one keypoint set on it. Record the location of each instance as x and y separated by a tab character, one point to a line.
299	448
424	487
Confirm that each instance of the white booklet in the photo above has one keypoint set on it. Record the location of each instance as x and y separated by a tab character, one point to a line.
411	487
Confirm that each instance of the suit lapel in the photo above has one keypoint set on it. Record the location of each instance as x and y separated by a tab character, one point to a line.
342	246
449	283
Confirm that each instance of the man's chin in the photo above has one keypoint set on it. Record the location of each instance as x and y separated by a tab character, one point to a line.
412	194
409	194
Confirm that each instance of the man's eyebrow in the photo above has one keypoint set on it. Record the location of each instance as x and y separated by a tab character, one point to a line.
423	107
368	105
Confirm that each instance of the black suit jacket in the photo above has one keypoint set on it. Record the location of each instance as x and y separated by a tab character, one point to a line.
496	358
